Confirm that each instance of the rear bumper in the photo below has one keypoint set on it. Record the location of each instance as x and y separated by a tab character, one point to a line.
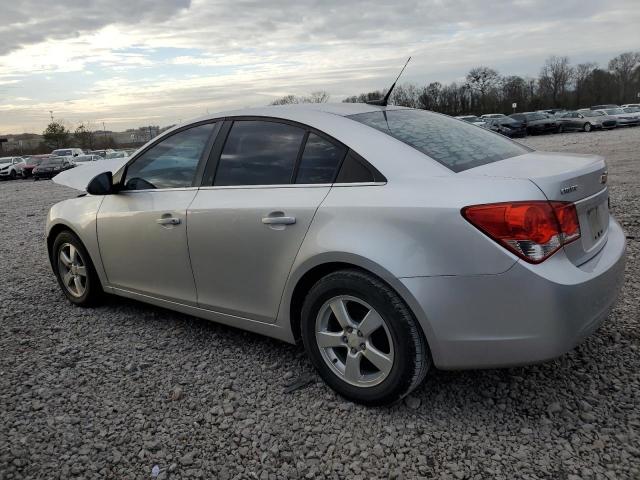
528	314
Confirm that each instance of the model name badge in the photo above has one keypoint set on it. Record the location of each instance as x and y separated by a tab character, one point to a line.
603	177
569	189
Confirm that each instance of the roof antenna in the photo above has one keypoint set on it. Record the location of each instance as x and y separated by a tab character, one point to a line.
384	101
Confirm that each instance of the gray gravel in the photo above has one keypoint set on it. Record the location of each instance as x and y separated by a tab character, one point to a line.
128	389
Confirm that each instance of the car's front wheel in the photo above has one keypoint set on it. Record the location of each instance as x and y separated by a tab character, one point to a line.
75	271
363	339
587	127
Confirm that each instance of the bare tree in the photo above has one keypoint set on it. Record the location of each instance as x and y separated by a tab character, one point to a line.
483	81
622	67
319	96
554	78
405	95
84	137
581	75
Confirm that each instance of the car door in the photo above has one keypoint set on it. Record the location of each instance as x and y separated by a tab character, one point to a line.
247	222
142	229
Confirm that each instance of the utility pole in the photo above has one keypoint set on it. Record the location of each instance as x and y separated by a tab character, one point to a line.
51	113
104	135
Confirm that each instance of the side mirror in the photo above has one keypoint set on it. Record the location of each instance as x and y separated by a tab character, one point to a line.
101	184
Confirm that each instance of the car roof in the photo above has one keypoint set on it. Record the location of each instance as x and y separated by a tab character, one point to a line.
377	147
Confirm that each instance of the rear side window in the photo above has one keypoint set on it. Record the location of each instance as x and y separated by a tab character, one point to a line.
259	153
457	145
320	160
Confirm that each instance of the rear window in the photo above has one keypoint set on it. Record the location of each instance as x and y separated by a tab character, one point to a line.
455	144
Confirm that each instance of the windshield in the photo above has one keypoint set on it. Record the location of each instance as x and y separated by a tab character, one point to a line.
115	155
35	161
632	110
592	113
535	116
62	153
456	145
614	111
6	159
470	119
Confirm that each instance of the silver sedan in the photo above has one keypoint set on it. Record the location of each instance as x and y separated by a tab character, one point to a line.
387	240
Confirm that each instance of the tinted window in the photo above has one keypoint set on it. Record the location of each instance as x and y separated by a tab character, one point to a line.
172	163
456	145
259	153
354	171
319	161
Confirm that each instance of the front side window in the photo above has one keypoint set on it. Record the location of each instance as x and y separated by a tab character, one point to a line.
456	145
320	160
259	153
171	163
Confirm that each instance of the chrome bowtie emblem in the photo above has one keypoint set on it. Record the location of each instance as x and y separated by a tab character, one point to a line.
604	177
569	189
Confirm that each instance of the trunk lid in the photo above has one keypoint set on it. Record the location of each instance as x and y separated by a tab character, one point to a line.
568	177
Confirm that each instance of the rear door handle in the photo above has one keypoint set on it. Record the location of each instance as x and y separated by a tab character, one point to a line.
168	221
282	220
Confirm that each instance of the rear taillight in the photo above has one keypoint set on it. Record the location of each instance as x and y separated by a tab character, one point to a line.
532	230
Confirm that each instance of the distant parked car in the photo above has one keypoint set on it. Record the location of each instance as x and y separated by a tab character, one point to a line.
624	119
632	111
32	162
477	121
536	122
102	153
67	152
627	105
586	120
11	167
116	154
493	115
507	126
601	107
50	167
87	158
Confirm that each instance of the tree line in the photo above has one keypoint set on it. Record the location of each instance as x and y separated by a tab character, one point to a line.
484	90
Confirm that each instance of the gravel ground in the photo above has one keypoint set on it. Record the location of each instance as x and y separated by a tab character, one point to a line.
115	391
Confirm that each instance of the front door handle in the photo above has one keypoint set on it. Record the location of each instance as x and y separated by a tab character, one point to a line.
279	220
168	221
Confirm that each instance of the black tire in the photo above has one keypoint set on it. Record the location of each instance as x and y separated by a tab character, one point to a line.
12	175
411	359
560	129
93	292
586	127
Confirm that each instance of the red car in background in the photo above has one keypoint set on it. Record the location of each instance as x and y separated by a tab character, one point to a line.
32	162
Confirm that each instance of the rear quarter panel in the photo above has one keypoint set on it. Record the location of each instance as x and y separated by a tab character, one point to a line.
410	228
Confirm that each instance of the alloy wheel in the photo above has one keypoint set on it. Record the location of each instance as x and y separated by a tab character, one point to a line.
72	269
354	341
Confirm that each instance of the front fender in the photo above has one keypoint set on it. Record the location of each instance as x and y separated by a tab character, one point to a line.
79	215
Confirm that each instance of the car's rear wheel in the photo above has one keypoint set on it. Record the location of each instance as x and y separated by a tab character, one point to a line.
12	175
75	271
363	339
586	127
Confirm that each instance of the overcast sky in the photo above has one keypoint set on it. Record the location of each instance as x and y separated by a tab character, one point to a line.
137	62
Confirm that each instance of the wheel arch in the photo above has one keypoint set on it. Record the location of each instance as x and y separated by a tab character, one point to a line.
308	273
59	226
